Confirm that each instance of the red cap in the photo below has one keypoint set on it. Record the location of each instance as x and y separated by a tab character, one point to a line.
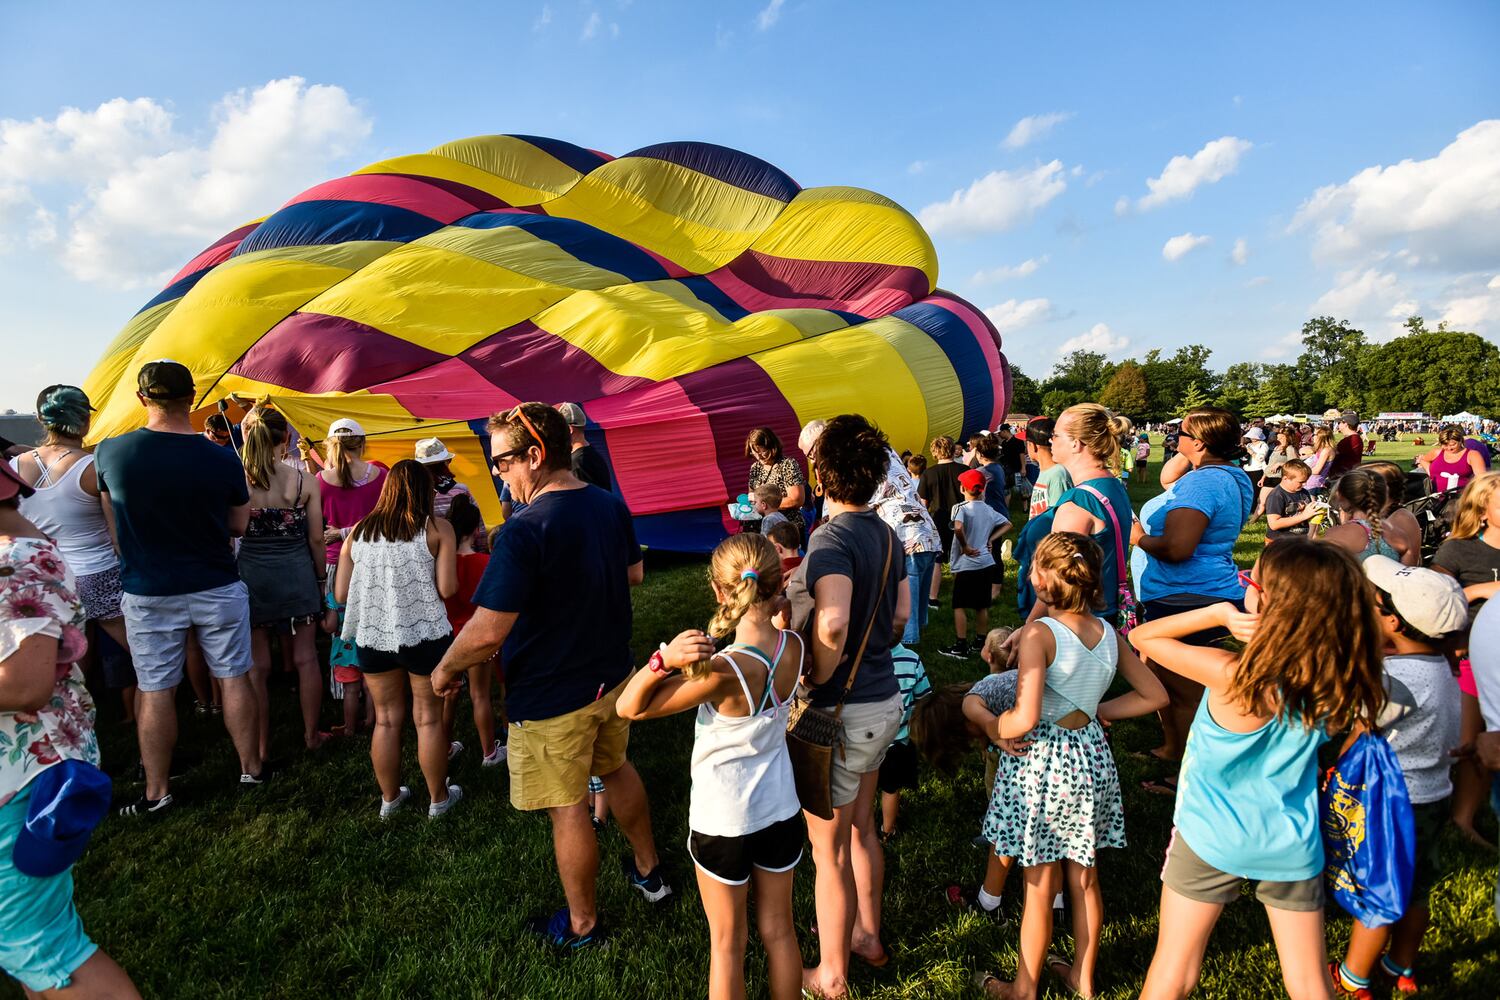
973	479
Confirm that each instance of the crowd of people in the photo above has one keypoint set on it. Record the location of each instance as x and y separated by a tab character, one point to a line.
201	552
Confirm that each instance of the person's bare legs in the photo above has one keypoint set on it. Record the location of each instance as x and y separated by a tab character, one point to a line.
868	859
1366	945
890	808
1470	782
577	851
778	934
197	671
728	928
632	812
996	871
432	745
937	581
387	691
960	624
115	629
156	729
1303	955
834	898
242	720
1181	940
98	978
982	621
1406	935
1088	922
260	677
1042	882
481	684
309	682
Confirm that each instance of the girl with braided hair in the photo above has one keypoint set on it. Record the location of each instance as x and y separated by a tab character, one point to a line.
743	813
1359	497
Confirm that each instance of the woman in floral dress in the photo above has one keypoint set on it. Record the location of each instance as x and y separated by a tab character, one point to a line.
46	717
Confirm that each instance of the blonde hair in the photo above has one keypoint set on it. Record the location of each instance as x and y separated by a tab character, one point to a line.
1072	568
747	571
942	447
266	434
1472	503
770	493
1322	438
993	640
343	449
1099	431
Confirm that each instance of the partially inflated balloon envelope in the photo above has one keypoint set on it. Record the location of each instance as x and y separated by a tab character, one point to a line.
683	294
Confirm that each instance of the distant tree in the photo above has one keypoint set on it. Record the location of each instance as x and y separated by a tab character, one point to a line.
1079	371
1276	393
1125	392
1025	396
1167	379
1238	386
1194	399
1330	364
1054	402
1433	371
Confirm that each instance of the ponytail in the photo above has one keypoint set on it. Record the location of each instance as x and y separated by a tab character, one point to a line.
747	571
265	435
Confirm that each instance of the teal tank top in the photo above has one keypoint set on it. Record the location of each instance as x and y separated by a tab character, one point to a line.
1078	676
1247	803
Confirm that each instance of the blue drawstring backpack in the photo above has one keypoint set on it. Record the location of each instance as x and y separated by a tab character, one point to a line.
1369	838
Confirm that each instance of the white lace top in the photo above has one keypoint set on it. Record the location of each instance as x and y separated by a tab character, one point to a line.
393	596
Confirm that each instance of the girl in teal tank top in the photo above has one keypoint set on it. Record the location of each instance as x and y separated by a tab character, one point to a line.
1247	798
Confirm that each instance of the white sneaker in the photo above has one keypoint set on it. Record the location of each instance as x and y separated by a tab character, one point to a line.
436	809
1006	549
454	749
388	809
497	756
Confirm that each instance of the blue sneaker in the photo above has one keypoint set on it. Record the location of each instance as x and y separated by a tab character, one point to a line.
652	885
558	931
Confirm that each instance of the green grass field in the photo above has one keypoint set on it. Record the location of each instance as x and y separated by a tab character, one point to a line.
298	890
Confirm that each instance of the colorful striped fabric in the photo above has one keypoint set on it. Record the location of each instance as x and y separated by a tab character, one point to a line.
683	294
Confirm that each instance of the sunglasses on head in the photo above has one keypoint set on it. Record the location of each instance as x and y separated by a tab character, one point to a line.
1249	582
509	456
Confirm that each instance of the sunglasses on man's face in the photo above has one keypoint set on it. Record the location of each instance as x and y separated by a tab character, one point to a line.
506	457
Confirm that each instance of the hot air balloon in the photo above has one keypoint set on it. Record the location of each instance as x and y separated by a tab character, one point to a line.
683	294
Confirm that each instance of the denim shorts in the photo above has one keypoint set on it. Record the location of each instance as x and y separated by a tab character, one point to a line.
42	942
157	628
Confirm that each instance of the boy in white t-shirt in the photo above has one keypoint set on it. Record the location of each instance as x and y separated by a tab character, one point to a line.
976	525
1418	609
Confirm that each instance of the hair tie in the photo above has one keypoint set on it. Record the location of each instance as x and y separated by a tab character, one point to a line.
749	574
1078	556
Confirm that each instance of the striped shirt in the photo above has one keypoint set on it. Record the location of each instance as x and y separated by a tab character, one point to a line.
911	679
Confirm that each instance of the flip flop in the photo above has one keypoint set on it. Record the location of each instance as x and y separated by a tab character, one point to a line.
982	980
1160	786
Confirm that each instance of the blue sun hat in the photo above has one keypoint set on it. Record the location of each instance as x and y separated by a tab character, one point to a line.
67	801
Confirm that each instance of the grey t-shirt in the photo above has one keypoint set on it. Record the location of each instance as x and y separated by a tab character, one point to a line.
854	545
1421	722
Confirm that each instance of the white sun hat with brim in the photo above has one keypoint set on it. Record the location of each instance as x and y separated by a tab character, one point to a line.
430	451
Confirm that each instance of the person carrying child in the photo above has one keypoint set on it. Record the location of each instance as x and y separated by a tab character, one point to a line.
976	526
1418	609
1247	799
743	812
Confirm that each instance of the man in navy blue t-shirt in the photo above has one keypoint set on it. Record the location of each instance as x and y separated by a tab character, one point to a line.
555	601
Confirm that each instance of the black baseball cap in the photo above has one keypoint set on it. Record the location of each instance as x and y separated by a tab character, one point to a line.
166	380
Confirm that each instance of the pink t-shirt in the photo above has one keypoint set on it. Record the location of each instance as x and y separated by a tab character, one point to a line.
343	506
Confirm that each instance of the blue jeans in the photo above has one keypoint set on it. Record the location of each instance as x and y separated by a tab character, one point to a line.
919	580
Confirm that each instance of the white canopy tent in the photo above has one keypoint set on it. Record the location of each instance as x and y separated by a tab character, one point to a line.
1462	417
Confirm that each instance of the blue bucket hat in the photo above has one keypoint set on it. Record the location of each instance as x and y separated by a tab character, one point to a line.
67	801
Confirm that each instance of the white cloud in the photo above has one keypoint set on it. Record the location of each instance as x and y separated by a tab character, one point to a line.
916	167
1000	200
543	18
1286	346
1373	300
1446	209
1012	315
1006	272
1241	252
1034	127
769	15
1475	309
1179	247
591	27
1258	281
141	196
1099	338
1185	174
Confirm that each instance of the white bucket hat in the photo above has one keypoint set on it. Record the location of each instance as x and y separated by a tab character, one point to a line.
430	451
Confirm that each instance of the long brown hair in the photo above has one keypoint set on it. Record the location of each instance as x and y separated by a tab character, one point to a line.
939	730
1316	655
1472	503
404	506
266	434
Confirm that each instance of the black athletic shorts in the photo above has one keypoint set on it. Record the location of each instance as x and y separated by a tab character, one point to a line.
898	771
774	848
422	658
971	588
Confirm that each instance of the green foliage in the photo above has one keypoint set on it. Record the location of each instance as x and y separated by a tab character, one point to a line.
1329	365
1434	371
1025	395
1167	379
1126	391
1194	399
1080	371
1240	383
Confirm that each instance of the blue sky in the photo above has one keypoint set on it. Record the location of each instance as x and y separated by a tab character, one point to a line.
1087	170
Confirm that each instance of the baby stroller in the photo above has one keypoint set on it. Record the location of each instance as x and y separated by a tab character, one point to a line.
1434	513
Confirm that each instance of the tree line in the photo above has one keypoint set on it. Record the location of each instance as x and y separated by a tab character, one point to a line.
1432	371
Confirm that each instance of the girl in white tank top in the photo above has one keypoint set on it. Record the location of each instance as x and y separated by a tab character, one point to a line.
745	818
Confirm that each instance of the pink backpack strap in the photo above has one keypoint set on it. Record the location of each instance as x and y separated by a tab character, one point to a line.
1115	521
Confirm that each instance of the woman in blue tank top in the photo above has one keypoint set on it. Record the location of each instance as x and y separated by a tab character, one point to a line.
1247	799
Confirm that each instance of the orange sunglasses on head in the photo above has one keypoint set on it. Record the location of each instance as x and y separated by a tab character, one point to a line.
520	414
